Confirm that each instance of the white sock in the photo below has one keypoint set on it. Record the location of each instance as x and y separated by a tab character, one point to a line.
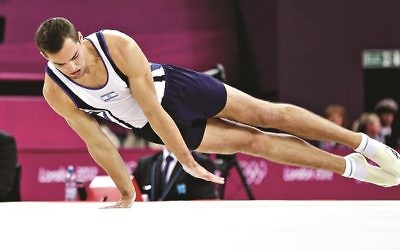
348	170
368	146
354	169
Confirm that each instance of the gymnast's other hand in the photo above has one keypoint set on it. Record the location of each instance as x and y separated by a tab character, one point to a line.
199	172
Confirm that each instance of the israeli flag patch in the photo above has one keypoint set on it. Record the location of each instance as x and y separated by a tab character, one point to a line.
109	96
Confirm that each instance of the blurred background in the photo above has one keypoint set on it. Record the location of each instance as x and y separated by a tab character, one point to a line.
312	53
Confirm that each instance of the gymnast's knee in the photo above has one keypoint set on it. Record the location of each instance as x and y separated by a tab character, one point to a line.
258	143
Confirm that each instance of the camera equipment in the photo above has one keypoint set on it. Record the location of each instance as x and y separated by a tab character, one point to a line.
225	163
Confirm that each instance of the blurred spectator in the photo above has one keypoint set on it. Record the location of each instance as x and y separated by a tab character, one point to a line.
386	109
369	124
9	169
337	114
161	177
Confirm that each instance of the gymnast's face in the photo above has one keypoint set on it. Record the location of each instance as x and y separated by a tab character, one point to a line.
70	59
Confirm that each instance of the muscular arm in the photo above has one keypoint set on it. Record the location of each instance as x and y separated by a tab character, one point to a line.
99	146
131	60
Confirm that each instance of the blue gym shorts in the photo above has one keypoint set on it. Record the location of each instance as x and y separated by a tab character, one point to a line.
190	98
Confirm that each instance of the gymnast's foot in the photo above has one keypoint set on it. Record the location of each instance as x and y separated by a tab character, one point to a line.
358	168
385	157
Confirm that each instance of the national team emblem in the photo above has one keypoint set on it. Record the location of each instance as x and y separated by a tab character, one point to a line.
109	96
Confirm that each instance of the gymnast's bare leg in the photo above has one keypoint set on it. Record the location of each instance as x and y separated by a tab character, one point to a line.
237	134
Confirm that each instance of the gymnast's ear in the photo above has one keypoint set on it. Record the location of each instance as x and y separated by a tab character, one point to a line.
44	55
80	37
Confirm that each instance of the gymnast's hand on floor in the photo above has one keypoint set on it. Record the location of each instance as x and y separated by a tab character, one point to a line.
124	202
199	172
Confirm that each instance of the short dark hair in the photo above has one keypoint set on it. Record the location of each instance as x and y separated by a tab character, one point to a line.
387	105
51	34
